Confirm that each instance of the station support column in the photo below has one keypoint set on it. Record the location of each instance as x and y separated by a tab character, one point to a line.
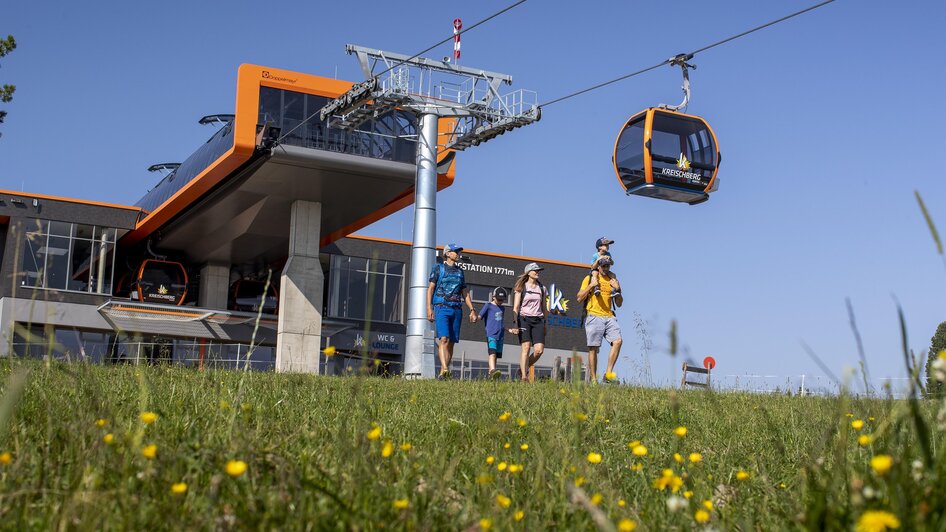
299	328
214	286
419	347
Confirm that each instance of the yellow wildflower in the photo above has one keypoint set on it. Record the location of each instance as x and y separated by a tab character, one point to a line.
518	515
696	457
581	417
148	417
610	376
490	460
864	440
503	501
579	481
637	466
633	444
881	463
502	466
524	446
108	438
871	418
521	422
506	445
485	524
400	504
387	449
877	521
406	447
515	468
701	516
235	468
484	479
687	494
374	433
6	458
708	504
596	499
639	450
329	351
622	503
179	488
677	458
680	431
594	458
505	416
857	424
149	451
627	525
742	475
101	422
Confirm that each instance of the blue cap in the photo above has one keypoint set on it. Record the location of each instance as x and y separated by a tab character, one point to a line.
452	247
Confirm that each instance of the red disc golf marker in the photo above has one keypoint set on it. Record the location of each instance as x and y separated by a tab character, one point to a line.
709	362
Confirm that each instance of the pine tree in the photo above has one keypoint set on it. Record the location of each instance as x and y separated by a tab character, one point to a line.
935	388
6	90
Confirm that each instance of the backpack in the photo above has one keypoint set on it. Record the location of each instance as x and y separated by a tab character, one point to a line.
438	291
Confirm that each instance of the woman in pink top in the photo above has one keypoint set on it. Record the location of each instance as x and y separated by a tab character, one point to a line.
530	317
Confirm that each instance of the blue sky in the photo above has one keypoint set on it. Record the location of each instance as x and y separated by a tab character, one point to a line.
827	124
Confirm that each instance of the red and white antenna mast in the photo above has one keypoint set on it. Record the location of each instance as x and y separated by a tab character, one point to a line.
457	26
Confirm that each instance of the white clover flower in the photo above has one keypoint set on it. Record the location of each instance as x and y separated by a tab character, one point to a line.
675	503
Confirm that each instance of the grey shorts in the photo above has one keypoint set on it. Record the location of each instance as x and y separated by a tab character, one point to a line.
598	328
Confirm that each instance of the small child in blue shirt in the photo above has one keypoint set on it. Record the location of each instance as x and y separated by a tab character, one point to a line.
603	245
493	315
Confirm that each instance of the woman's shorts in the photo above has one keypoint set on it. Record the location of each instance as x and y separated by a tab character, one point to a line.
532	330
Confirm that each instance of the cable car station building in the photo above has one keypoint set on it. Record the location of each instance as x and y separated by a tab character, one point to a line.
242	254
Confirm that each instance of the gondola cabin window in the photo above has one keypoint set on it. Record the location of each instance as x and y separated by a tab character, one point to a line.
68	256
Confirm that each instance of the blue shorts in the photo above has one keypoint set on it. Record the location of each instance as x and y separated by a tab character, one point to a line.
494	346
448	320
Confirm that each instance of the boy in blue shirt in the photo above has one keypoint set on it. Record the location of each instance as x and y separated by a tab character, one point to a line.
603	245
446	291
493	314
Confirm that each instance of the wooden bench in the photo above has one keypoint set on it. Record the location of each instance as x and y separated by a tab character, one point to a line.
694	370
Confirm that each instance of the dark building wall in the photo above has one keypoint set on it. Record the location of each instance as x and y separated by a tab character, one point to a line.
491	270
20	209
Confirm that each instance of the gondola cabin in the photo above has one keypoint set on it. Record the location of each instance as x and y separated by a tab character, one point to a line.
161	281
248	295
667	155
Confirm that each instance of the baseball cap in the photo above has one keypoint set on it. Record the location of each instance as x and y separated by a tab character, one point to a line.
452	247
499	293
533	267
603	241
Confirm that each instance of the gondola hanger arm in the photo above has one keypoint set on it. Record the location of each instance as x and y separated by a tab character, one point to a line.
680	60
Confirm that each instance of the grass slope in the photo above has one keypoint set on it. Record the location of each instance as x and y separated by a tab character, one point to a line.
359	453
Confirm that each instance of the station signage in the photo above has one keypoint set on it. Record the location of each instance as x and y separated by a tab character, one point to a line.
370	342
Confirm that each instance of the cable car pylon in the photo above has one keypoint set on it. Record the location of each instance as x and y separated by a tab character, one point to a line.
432	89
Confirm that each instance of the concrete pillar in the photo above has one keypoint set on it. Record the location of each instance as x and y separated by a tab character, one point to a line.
299	329
214	286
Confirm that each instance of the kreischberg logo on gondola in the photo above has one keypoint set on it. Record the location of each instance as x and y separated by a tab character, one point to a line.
683	164
268	75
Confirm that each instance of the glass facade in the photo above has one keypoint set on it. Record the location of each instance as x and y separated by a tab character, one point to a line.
75	345
482	294
200	160
383	137
68	256
366	289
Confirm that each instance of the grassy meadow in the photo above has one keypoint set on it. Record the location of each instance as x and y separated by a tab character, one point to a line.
89	447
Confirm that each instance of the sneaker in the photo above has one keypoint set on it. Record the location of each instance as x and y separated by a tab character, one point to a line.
616	293
598	291
495	374
444	375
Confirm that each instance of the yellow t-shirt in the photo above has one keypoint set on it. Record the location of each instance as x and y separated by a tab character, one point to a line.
599	305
